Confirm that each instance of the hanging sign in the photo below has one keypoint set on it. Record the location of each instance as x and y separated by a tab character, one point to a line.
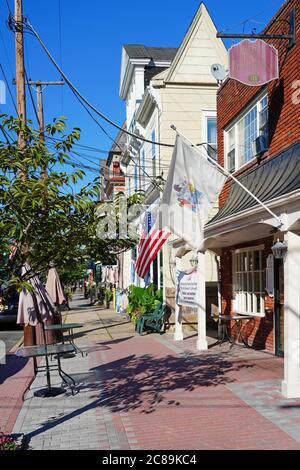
253	63
187	288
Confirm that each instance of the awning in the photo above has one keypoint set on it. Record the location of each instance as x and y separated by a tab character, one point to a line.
275	177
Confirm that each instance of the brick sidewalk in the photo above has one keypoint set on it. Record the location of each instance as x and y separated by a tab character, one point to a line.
15	376
151	393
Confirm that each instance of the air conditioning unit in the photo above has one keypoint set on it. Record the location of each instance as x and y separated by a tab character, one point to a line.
259	145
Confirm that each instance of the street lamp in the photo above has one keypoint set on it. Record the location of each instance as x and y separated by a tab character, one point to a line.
279	249
194	261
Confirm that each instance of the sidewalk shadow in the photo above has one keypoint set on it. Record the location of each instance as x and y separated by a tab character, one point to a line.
12	367
143	383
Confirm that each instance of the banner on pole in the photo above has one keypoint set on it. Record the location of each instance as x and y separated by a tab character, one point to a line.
187	288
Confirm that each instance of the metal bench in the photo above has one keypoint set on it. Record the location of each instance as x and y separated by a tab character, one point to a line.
154	321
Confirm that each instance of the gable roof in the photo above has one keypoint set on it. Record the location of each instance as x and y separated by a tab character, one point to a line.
140	51
199	50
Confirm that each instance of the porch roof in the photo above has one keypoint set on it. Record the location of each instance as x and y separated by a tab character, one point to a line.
275	177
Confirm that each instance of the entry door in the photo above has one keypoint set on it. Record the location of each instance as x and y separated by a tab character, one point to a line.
279	306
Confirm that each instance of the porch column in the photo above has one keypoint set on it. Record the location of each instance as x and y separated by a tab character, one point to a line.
202	341
291	382
178	335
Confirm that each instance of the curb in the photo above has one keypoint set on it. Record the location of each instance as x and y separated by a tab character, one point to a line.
17	345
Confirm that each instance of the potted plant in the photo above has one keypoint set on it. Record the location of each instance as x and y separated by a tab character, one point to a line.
142	301
7	442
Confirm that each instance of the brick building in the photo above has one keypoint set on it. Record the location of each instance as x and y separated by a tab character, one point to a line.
243	232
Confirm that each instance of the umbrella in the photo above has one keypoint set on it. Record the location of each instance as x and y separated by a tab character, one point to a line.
54	287
36	307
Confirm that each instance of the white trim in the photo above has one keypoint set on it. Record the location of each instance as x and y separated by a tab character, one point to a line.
248	213
206	114
235	124
247	295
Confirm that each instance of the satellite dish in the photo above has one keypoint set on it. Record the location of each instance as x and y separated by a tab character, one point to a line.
218	72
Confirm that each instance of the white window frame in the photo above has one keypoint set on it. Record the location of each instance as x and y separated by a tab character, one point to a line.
235	124
245	298
206	114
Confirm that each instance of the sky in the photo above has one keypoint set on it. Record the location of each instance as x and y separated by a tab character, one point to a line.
86	37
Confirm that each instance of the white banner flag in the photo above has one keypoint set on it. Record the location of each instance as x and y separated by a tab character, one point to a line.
192	187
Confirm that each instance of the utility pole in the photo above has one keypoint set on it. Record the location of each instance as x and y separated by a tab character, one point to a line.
29	331
20	80
40	108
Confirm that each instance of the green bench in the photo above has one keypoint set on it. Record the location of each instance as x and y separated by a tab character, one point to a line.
154	321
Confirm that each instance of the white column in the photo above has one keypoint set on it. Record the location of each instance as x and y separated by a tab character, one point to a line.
202	341
291	382
178	335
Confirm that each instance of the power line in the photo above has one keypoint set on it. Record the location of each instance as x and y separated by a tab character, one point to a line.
60	51
8	87
9	9
31	97
75	90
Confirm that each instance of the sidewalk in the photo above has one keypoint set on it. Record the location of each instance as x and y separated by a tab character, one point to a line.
152	393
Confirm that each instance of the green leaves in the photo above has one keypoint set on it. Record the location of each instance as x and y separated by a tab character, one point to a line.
143	300
38	206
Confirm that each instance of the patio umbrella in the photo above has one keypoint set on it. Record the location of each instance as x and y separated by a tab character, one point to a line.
36	307
54	287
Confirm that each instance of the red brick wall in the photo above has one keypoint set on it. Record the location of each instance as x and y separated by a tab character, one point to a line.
284	127
258	332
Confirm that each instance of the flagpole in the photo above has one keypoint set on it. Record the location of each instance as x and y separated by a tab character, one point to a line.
228	174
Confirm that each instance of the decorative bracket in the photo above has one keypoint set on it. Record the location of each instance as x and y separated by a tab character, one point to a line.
291	36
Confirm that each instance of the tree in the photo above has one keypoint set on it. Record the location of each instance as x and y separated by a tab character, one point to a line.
39	210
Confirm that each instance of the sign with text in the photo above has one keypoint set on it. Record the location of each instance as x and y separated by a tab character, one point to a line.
187	287
253	63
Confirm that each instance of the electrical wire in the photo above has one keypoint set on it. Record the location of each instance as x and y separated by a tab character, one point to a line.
8	7
8	87
27	24
31	97
60	51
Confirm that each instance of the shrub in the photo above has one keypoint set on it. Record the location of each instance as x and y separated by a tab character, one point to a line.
142	301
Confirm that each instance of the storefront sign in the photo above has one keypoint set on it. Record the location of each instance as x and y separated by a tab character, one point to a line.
253	63
187	287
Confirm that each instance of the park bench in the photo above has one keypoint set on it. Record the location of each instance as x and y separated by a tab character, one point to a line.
154	321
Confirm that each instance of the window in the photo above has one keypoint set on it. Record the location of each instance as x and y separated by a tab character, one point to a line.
212	137
153	138
209	132
241	135
249	281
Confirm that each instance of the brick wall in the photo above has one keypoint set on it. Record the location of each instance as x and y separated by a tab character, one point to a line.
259	332
284	124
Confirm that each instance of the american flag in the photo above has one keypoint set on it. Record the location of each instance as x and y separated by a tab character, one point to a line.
150	244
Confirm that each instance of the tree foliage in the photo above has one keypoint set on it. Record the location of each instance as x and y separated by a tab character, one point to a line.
39	208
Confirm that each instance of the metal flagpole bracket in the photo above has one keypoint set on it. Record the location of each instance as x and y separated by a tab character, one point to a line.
291	36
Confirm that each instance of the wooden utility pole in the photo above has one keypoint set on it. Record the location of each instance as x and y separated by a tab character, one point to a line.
29	331
20	74
39	92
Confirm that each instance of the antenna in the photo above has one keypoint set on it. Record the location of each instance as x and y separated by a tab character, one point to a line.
218	72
